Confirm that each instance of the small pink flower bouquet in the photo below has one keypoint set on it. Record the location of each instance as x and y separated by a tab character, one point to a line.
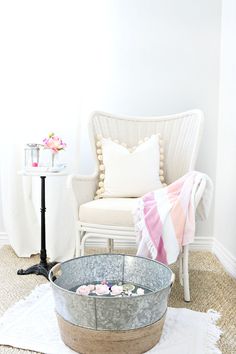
54	143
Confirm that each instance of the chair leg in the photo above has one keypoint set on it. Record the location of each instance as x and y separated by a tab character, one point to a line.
77	243
110	243
181	268
82	247
84	238
186	274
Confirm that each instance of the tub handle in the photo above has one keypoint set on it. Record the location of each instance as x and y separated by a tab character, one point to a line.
56	272
172	279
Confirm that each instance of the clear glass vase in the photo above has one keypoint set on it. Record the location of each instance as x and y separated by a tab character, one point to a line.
54	160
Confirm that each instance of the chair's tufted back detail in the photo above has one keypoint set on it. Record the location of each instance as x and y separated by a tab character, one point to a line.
180	132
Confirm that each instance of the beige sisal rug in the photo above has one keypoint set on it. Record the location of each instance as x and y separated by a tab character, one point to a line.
211	287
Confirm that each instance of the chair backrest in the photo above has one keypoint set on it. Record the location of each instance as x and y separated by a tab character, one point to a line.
181	134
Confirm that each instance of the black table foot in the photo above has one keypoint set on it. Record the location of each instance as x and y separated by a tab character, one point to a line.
38	269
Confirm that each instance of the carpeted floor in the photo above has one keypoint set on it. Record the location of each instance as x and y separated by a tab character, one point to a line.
211	288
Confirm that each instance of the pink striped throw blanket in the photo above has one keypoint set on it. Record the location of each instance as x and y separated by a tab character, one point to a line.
165	218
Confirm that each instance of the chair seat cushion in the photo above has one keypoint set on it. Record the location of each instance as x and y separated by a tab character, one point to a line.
109	211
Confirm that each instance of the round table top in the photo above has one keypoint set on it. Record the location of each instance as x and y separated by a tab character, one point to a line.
42	173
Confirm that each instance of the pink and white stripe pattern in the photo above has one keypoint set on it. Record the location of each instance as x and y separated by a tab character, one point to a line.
165	218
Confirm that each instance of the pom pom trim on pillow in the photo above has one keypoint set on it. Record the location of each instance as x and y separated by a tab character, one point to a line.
100	187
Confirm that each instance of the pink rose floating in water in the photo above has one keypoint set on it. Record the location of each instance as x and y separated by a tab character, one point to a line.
102	289
83	290
91	287
116	290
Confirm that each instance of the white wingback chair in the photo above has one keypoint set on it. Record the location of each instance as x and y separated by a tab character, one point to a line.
111	218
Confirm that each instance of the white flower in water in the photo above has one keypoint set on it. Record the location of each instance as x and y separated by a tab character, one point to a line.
83	290
140	291
102	289
116	290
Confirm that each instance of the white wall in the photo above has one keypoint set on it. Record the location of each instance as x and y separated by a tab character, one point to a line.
138	57
40	71
225	212
157	57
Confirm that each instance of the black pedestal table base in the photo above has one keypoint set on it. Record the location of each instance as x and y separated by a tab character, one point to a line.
38	269
43	268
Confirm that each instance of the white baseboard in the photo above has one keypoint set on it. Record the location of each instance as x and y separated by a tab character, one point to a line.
225	257
202	243
3	239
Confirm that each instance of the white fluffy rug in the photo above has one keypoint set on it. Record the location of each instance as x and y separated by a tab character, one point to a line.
31	324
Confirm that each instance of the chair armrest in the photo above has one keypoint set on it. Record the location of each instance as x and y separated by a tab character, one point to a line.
82	188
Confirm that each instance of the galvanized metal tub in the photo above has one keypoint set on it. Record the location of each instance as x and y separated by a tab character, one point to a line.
101	314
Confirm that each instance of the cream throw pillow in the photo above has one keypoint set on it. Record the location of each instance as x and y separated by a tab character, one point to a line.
129	172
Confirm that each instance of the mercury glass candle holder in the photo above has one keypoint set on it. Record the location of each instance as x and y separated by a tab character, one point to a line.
32	152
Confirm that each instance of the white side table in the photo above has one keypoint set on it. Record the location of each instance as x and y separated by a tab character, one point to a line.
43	267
